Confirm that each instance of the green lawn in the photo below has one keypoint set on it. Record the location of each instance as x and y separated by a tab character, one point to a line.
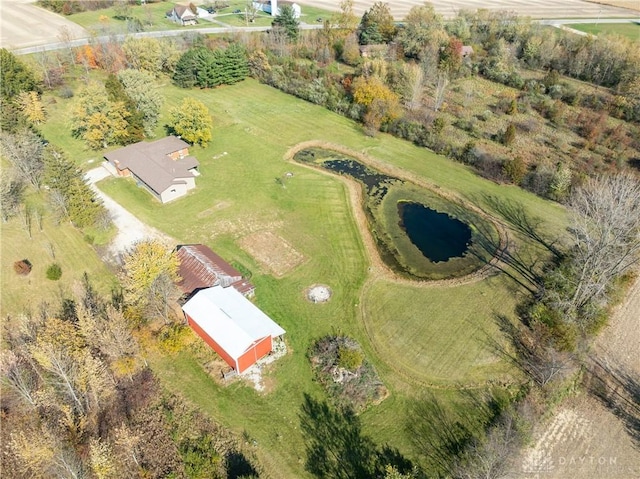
414	336
72	253
629	30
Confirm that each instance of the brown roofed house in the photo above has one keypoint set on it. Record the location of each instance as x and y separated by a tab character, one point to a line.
201	268
183	14
163	167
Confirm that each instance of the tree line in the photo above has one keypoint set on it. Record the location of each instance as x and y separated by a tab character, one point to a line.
79	401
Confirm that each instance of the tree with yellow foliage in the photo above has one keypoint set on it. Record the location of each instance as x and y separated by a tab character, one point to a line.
382	104
150	266
30	104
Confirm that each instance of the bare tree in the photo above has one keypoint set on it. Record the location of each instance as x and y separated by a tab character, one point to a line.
25	150
163	293
19	376
442	82
605	215
414	86
492	456
65	36
11	190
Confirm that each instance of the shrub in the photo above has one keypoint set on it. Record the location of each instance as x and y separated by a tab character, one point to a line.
515	170
54	272
22	267
340	367
509	135
349	358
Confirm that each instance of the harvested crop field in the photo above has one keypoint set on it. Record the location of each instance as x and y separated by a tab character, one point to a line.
532	8
272	252
630	4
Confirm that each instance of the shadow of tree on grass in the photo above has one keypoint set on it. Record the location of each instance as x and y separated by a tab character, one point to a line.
336	447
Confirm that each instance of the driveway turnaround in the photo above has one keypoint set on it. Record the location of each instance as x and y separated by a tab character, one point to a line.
130	229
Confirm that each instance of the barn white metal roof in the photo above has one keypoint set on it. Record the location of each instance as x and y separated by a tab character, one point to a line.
230	319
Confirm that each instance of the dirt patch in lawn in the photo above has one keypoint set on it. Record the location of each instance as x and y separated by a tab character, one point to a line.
244	225
272	252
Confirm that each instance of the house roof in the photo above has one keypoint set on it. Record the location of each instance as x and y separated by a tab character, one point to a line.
201	268
230	319
150	162
184	12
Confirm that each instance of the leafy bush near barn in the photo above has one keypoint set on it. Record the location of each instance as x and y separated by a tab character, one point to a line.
341	367
22	267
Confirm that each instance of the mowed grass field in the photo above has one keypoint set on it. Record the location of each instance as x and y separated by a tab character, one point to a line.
416	336
74	255
629	30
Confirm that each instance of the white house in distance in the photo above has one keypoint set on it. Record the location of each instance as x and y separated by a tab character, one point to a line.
272	7
232	325
163	167
187	14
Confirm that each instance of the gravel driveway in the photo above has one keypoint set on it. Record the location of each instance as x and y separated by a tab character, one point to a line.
130	228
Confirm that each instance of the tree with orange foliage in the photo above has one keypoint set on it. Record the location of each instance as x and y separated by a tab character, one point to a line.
87	57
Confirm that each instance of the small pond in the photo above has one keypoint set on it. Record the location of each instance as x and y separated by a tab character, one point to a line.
438	236
418	233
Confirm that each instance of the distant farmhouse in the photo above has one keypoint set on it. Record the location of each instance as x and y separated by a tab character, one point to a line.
163	167
186	14
272	7
201	268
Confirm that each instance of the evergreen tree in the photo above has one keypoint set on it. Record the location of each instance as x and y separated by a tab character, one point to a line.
209	68
15	76
377	25
287	21
186	71
135	120
82	206
235	65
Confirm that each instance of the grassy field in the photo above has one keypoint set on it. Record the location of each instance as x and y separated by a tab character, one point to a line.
72	252
152	17
415	336
629	30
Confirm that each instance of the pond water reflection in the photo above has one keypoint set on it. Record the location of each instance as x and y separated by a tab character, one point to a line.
437	235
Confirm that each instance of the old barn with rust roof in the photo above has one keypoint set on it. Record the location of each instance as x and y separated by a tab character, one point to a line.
201	268
163	167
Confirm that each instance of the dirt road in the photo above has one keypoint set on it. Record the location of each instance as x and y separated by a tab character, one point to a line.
23	24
